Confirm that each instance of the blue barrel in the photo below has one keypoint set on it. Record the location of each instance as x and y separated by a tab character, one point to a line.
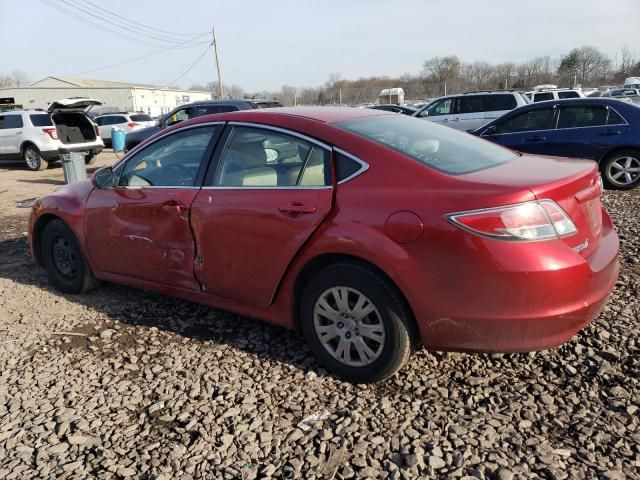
117	139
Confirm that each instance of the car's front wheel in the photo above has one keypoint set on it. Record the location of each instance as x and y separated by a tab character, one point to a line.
33	159
355	323
621	170
67	268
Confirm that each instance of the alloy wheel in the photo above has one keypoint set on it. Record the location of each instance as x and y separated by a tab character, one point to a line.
624	170
349	326
32	159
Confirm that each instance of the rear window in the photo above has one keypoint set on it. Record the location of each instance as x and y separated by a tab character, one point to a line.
495	103
40	120
140	117
436	146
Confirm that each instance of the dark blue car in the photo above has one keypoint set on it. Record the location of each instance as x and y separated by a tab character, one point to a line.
602	129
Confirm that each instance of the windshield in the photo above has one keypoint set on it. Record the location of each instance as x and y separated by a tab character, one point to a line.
439	147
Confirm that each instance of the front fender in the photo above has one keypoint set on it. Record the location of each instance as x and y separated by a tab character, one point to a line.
67	204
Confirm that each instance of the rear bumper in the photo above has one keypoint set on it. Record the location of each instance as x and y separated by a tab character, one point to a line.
528	310
50	155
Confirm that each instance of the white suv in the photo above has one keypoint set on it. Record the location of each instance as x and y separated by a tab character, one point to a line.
553	94
468	111
128	122
37	137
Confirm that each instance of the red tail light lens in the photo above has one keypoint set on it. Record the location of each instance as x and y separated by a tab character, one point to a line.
529	221
132	124
52	132
95	127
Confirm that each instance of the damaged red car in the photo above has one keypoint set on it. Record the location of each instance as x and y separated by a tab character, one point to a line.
372	233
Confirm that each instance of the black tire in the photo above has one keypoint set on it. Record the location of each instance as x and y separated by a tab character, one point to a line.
393	315
609	170
90	158
57	237
33	159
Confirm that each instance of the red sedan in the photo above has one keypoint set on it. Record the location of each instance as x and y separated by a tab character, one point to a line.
370	232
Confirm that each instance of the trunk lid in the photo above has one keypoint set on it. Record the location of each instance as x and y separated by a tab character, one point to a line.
573	184
73	104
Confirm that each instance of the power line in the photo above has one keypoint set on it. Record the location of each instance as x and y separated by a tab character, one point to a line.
124	62
141	24
100	18
191	66
102	27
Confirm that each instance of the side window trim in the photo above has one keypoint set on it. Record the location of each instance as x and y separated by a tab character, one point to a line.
204	164
223	139
364	166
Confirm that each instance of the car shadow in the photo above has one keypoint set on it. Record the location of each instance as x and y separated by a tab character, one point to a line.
138	308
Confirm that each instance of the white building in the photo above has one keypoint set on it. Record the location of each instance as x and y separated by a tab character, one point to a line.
115	96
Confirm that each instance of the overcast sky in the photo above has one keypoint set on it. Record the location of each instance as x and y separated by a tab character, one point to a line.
265	44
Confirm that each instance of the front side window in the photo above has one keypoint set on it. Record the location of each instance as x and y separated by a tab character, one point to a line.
441	107
173	161
582	116
436	146
540	119
40	120
255	157
207	110
12	121
179	116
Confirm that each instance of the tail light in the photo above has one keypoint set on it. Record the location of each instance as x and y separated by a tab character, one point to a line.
132	124
95	127
52	132
529	221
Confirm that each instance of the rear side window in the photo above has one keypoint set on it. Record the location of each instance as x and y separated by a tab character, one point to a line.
140	117
539	119
12	121
471	104
40	120
582	116
118	119
346	167
207	110
228	108
495	103
541	97
614	118
436	146
569	94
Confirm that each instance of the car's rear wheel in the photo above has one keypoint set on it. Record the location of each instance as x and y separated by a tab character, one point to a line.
355	323
67	268
90	158
621	169
33	159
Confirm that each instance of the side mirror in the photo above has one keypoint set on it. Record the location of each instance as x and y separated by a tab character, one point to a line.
490	131
103	178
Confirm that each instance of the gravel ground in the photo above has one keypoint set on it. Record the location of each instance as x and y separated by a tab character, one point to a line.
119	383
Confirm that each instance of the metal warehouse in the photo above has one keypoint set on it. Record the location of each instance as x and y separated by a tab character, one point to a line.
115	96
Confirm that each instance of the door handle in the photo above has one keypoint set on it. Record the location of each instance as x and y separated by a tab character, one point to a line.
610	132
535	139
297	209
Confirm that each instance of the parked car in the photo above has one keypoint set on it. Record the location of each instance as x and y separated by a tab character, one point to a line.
624	92
602	129
554	94
421	234
196	109
129	122
395	108
471	110
37	137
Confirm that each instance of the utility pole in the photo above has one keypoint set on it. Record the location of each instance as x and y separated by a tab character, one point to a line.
215	50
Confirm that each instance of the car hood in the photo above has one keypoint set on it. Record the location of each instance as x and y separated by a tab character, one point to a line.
72	104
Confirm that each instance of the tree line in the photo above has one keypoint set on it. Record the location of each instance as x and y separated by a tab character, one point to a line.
584	66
